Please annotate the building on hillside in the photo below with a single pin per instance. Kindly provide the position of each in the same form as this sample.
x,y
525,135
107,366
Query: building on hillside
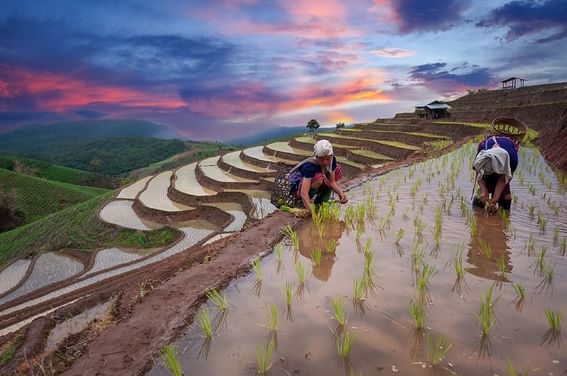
x,y
433,110
513,83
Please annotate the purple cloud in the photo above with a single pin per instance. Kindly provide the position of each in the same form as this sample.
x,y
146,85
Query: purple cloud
x,y
528,17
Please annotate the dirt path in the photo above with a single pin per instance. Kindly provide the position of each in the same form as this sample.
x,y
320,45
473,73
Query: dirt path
x,y
126,348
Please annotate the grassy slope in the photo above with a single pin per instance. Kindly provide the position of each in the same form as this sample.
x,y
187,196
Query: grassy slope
x,y
76,227
37,197
49,171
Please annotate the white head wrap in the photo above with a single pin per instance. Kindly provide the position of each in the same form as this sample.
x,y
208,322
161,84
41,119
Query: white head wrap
x,y
322,148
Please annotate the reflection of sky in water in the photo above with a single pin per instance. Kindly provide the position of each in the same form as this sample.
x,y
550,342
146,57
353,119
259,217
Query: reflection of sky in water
x,y
384,333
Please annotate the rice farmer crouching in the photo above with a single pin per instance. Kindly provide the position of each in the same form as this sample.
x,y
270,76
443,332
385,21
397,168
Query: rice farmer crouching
x,y
313,180
495,163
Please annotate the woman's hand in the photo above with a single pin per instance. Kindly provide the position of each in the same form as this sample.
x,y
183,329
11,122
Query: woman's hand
x,y
343,199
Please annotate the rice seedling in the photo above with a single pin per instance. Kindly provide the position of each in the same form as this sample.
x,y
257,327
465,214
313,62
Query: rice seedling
x,y
531,210
399,235
436,348
257,266
359,289
419,227
542,222
204,321
367,245
554,320
501,264
360,213
540,260
170,359
424,277
417,312
486,315
339,311
264,357
344,344
532,189
220,300
548,273
288,294
417,255
370,208
530,244
273,319
349,216
316,257
520,291
331,245
458,264
563,247
513,371
485,248
300,270
360,231
278,252
368,264
292,235
555,236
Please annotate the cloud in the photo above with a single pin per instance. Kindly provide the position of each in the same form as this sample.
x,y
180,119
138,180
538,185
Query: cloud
x,y
253,100
523,18
438,77
418,15
392,52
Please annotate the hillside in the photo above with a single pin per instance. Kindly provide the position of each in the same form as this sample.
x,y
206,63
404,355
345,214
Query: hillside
x,y
541,107
76,227
36,139
36,197
114,156
54,172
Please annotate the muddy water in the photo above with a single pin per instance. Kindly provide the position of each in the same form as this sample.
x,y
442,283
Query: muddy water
x,y
49,268
76,324
13,274
385,338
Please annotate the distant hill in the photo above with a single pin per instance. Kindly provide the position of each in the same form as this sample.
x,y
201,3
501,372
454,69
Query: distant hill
x,y
32,140
273,134
35,197
113,156
54,172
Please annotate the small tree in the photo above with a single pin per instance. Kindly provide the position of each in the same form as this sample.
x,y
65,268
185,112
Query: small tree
x,y
313,125
340,125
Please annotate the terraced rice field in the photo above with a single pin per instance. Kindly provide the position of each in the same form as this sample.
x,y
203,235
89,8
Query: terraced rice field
x,y
237,184
13,274
155,195
419,281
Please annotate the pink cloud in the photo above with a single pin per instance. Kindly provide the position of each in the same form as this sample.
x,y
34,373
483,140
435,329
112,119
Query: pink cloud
x,y
392,52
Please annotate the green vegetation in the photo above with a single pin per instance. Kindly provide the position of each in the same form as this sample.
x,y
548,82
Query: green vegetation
x,y
436,348
114,156
300,270
339,310
204,321
273,319
54,172
77,227
36,197
520,291
344,344
170,359
417,311
554,320
288,294
257,266
264,358
220,300
9,349
316,257
292,235
486,315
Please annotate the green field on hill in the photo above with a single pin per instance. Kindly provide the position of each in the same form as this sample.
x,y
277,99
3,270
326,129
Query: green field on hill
x,y
76,227
37,197
54,172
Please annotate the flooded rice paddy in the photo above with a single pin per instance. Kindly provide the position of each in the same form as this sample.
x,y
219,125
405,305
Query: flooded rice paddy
x,y
410,249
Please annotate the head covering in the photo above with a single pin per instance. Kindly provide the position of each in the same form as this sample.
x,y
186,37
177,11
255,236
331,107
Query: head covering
x,y
322,148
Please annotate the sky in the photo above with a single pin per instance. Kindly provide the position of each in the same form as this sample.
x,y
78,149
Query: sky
x,y
221,69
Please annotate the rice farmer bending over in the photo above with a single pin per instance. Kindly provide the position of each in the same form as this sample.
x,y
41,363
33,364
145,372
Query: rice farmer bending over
x,y
495,162
313,180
